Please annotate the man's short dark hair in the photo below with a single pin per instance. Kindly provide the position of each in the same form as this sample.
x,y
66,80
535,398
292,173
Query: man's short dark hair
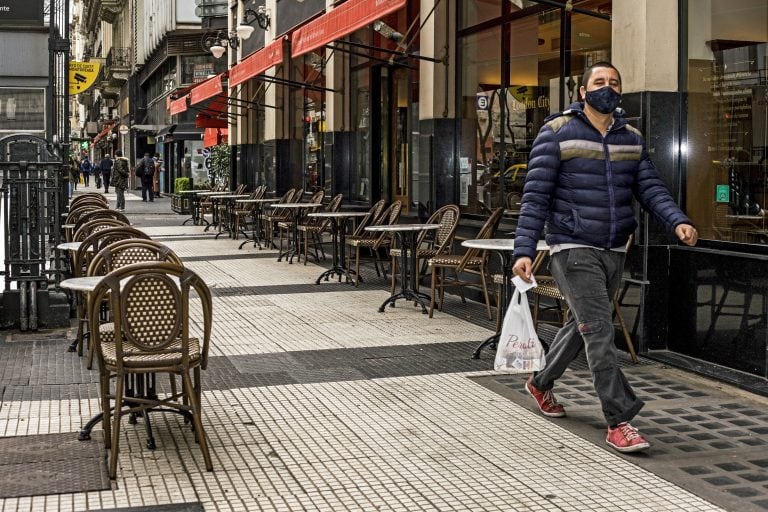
x,y
601,64
118,153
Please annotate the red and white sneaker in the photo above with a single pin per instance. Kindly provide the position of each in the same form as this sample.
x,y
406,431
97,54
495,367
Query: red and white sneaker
x,y
545,400
625,438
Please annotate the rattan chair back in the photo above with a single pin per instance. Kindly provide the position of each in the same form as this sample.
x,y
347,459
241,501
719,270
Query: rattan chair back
x,y
87,229
103,213
150,305
127,252
373,214
487,231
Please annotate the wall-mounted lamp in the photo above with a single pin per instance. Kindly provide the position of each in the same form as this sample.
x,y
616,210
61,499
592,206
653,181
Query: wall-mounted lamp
x,y
217,44
387,31
260,16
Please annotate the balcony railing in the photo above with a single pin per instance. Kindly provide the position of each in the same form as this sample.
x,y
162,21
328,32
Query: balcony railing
x,y
119,58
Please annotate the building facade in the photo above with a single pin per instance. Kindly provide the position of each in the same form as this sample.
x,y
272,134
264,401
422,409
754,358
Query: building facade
x,y
436,102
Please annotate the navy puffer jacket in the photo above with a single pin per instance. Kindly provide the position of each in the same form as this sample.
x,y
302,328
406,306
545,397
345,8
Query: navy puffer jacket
x,y
581,185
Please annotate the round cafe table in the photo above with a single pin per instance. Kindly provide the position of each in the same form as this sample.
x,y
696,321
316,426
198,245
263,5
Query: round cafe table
x,y
408,262
338,235
505,248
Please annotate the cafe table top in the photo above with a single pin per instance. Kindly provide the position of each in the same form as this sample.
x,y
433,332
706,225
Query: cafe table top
x,y
499,244
402,227
69,246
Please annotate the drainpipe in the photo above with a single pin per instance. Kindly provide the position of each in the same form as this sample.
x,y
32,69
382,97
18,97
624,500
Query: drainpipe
x,y
33,305
23,306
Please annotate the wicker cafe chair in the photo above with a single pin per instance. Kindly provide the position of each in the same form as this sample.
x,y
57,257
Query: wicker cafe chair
x,y
313,228
473,261
247,210
99,215
284,226
91,245
88,196
120,254
374,241
277,214
547,287
430,243
150,303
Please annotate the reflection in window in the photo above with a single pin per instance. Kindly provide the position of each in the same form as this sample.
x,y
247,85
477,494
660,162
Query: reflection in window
x,y
727,186
509,85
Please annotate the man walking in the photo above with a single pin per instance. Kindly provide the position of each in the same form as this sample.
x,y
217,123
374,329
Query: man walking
x,y
120,172
585,166
85,168
145,171
106,171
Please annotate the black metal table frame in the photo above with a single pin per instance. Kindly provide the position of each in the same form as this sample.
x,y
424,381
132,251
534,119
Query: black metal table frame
x,y
293,243
408,259
194,202
338,242
136,386
255,237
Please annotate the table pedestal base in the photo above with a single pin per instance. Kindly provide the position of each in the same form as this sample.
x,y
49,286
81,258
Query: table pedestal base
x,y
492,341
421,298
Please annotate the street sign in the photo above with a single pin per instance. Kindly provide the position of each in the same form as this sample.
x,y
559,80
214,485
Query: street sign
x,y
123,129
82,76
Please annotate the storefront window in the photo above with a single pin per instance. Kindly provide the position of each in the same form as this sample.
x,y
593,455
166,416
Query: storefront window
x,y
727,175
512,79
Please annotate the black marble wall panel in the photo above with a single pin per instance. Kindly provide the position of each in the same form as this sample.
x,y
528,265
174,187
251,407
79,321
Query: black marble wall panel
x,y
719,306
438,149
338,161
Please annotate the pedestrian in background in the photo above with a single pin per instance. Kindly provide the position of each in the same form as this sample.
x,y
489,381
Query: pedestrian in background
x,y
106,171
85,168
96,172
121,170
74,173
585,166
156,175
145,170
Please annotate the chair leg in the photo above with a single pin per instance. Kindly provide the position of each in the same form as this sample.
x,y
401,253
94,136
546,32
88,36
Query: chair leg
x,y
194,402
485,293
357,266
115,447
433,291
627,337
393,270
106,421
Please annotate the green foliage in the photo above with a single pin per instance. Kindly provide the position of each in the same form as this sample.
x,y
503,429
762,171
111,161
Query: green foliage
x,y
220,164
180,184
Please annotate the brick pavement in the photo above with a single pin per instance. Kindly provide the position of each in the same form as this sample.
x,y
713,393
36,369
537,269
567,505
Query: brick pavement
x,y
315,401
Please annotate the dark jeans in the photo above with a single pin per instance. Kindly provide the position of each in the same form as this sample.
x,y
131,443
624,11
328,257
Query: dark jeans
x,y
146,188
105,178
120,198
588,279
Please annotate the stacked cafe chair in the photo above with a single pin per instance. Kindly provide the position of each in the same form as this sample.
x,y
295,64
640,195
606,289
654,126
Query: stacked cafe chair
x,y
150,304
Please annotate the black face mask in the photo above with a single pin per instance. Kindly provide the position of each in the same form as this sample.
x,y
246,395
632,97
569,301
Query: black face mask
x,y
604,100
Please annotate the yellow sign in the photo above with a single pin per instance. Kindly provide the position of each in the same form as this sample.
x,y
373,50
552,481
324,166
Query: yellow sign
x,y
82,75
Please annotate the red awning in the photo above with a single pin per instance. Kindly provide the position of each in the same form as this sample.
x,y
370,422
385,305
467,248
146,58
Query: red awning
x,y
343,20
214,115
262,60
178,106
214,136
107,128
205,90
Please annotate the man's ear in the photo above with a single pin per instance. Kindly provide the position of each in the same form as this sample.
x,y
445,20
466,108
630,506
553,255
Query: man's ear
x,y
582,92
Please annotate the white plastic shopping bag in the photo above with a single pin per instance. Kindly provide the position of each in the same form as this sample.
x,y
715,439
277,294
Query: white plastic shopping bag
x,y
519,348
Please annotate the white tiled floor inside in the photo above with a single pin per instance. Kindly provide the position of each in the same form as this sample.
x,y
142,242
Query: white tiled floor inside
x,y
435,442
